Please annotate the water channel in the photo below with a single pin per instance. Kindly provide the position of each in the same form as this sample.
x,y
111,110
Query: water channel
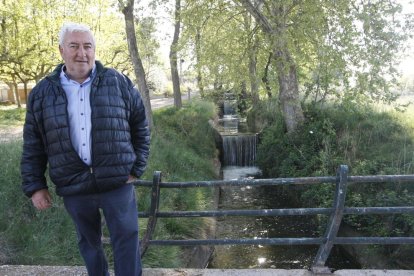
x,y
239,153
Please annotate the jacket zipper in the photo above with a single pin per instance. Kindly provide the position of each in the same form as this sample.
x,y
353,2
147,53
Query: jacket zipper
x,y
91,95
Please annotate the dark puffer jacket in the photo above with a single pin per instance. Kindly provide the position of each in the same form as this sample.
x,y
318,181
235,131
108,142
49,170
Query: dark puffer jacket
x,y
120,136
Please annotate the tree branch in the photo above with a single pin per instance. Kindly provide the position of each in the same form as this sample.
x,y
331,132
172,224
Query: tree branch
x,y
257,14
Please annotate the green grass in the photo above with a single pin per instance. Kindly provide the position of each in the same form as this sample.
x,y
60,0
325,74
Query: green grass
x,y
12,116
369,141
28,236
182,148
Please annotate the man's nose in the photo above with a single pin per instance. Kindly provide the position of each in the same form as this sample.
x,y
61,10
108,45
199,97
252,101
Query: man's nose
x,y
82,52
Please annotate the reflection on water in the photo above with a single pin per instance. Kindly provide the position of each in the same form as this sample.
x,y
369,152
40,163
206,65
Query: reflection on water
x,y
262,256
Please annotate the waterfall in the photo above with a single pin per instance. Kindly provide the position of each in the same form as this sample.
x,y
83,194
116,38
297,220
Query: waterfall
x,y
239,150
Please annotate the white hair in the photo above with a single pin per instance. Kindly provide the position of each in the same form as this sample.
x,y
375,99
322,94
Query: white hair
x,y
71,27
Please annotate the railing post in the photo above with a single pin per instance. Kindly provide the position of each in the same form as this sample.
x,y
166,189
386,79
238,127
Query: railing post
x,y
333,223
152,219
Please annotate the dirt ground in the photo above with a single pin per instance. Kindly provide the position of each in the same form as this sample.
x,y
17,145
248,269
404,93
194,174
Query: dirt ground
x,y
8,133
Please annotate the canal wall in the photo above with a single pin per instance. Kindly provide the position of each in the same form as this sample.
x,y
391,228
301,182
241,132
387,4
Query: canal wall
x,y
21,270
199,256
373,257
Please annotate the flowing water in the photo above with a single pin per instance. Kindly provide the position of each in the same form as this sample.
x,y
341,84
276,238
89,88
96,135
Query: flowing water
x,y
265,256
239,150
238,160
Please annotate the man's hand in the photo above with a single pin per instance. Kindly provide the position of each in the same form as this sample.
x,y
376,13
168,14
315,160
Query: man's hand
x,y
131,178
41,199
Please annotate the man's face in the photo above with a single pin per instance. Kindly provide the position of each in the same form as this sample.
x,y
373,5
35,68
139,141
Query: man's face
x,y
78,52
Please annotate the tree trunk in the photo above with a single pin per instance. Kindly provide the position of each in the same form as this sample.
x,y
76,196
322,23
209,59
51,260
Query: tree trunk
x,y
288,90
173,57
265,78
25,91
4,49
253,45
127,10
13,86
198,54
275,28
254,83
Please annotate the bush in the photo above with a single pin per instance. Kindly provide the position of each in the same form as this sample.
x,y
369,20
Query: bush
x,y
369,142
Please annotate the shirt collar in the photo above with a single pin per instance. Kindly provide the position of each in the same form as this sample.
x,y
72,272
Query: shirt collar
x,y
90,77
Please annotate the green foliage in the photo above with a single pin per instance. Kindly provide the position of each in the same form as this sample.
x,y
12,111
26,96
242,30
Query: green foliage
x,y
182,148
31,237
264,114
29,45
296,154
13,116
183,133
369,142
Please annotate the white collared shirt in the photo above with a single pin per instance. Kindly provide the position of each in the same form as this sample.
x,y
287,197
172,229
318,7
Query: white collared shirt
x,y
79,110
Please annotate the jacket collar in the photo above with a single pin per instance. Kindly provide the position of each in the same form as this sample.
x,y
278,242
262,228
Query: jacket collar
x,y
54,76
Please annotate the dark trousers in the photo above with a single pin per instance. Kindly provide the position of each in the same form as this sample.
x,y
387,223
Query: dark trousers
x,y
121,216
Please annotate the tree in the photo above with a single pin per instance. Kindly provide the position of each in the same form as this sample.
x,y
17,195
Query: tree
x,y
23,44
174,55
276,29
127,8
226,44
29,45
341,50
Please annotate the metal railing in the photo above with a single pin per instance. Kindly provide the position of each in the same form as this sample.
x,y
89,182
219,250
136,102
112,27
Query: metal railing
x,y
326,242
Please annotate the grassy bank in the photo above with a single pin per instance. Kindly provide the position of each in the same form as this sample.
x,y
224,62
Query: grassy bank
x,y
182,148
371,141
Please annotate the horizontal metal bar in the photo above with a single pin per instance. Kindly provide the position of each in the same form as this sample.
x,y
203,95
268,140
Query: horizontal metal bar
x,y
283,212
261,241
378,210
142,183
287,241
250,182
381,178
279,181
262,212
241,182
374,240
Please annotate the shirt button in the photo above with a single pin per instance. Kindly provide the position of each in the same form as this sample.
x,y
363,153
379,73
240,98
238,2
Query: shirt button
x,y
82,114
83,128
81,100
83,144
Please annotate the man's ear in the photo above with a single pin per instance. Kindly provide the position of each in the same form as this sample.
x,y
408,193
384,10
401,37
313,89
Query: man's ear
x,y
60,50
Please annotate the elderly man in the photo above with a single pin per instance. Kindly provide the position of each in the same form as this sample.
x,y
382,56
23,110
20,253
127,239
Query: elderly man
x,y
87,123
